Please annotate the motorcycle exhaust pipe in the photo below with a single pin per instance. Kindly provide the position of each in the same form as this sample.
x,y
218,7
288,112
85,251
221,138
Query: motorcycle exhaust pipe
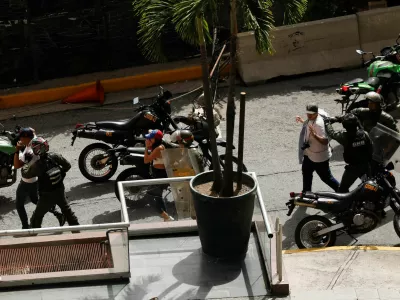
x,y
305,202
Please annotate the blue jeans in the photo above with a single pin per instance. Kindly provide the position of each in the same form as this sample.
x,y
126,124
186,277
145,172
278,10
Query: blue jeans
x,y
323,171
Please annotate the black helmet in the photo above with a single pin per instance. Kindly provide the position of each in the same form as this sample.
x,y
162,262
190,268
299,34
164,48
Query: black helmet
x,y
350,122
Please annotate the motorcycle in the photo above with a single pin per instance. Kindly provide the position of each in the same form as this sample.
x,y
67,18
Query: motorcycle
x,y
95,162
358,211
8,141
383,78
135,156
196,122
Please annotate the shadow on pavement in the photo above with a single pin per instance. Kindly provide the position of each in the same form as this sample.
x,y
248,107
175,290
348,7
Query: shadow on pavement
x,y
6,205
90,190
289,227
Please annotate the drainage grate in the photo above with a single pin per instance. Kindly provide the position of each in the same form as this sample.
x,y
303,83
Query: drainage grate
x,y
44,259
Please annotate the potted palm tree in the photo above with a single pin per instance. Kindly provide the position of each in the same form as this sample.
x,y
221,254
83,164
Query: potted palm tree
x,y
223,199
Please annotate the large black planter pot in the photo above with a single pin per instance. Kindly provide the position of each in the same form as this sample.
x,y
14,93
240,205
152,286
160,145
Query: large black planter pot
x,y
224,224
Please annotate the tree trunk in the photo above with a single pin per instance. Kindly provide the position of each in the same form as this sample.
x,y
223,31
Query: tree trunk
x,y
241,140
209,107
227,190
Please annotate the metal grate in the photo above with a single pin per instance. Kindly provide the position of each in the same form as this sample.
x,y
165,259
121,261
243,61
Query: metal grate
x,y
45,259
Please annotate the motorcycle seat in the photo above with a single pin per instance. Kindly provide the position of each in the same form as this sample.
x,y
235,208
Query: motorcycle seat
x,y
356,80
119,125
338,196
373,81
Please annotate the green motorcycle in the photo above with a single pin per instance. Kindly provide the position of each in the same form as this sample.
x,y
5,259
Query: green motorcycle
x,y
383,78
8,141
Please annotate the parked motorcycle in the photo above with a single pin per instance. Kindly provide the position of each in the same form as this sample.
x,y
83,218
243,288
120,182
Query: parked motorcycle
x,y
358,211
383,78
134,156
8,141
95,162
196,122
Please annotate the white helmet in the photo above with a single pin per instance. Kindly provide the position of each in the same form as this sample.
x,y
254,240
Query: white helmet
x,y
373,97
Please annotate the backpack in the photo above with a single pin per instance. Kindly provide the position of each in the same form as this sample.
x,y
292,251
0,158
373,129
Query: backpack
x,y
53,175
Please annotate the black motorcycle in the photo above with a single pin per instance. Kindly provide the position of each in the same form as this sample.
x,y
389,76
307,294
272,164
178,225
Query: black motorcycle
x,y
134,156
95,162
358,211
196,122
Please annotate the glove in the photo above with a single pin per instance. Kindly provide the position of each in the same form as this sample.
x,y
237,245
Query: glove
x,y
338,119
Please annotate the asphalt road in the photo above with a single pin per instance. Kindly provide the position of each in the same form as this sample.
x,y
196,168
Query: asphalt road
x,y
271,138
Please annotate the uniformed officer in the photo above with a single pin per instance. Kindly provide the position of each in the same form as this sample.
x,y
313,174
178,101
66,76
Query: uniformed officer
x,y
28,188
374,114
357,152
50,169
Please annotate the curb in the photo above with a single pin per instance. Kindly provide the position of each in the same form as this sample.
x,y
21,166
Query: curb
x,y
343,248
110,85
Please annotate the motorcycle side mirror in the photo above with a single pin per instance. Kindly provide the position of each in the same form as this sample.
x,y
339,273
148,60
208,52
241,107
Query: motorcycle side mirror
x,y
397,40
360,52
135,100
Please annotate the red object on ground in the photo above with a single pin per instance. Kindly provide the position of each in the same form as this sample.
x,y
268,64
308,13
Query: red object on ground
x,y
90,94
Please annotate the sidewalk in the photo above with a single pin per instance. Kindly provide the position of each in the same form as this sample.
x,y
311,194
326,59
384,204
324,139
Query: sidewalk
x,y
344,273
176,89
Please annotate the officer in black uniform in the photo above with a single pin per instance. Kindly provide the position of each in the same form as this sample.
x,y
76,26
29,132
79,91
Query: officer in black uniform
x,y
374,114
357,150
50,169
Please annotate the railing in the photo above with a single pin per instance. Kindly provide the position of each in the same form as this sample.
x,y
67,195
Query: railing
x,y
271,246
124,224
271,242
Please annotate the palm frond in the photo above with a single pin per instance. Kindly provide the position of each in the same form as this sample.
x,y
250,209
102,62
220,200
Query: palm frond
x,y
184,19
139,6
294,10
154,18
259,18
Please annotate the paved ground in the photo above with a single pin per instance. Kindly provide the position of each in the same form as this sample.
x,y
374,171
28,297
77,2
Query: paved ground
x,y
270,151
343,274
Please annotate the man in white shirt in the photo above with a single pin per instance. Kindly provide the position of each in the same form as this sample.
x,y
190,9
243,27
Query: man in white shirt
x,y
28,187
314,146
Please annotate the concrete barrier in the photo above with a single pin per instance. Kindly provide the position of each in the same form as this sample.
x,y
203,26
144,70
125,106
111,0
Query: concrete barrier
x,y
301,48
378,28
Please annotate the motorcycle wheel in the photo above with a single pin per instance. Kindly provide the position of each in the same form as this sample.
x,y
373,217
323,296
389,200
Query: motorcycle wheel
x,y
396,223
310,225
99,173
134,191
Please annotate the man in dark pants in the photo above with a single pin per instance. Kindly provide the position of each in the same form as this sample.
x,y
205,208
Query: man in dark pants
x,y
314,150
28,187
357,152
50,169
374,114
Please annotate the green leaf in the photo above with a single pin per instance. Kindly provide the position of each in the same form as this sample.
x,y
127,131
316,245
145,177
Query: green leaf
x,y
258,17
294,10
184,19
154,15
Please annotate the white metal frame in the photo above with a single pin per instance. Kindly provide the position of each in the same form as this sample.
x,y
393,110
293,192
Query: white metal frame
x,y
125,218
123,224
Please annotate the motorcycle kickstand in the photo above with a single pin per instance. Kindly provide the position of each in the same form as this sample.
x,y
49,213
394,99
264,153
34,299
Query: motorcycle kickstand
x,y
355,240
